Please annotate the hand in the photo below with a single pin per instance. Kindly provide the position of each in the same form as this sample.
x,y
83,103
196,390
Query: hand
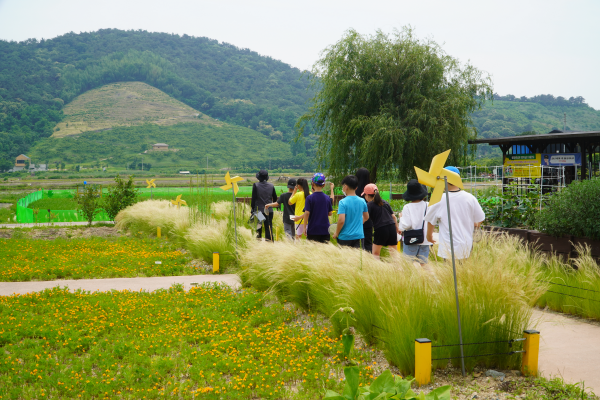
x,y
297,218
331,185
335,235
267,206
398,231
430,239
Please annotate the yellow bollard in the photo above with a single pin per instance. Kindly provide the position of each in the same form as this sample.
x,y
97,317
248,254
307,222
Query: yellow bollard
x,y
422,361
398,247
215,263
532,351
158,232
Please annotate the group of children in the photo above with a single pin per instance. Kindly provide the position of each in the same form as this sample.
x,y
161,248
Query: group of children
x,y
362,217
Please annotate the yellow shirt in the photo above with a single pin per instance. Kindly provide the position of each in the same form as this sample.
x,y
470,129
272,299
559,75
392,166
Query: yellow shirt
x,y
298,199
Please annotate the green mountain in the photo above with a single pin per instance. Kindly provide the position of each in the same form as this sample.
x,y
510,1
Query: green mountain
x,y
39,80
233,85
190,144
510,116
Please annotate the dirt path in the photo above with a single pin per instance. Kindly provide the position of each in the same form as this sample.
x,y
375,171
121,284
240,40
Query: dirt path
x,y
569,348
133,284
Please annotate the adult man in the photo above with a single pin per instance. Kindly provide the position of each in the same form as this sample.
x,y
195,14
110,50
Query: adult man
x,y
466,215
263,193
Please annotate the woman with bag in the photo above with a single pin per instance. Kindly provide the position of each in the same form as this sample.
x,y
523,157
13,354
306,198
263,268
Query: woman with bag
x,y
384,220
412,223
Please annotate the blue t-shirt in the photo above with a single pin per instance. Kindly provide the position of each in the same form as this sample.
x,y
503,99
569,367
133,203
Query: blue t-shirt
x,y
319,206
353,207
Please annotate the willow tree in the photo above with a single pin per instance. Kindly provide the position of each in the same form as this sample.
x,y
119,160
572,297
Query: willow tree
x,y
390,102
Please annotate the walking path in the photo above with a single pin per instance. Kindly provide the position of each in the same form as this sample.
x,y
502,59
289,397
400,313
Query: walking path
x,y
569,348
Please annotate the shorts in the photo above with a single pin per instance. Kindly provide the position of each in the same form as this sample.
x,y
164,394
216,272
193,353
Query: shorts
x,y
319,238
386,236
355,243
418,251
299,229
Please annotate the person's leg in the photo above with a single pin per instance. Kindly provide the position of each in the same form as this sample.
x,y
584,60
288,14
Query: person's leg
x,y
376,250
423,255
259,232
299,231
367,242
289,231
269,227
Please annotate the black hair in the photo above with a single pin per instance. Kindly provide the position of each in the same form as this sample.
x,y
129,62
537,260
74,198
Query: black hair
x,y
303,183
377,198
363,176
351,181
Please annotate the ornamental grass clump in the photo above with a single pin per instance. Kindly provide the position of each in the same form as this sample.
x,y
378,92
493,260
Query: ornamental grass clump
x,y
394,302
573,290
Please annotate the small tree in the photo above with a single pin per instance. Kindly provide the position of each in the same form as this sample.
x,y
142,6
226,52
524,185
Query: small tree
x,y
89,203
120,196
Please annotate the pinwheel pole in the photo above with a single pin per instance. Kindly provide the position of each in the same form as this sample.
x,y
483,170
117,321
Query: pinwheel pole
x,y
229,184
151,185
438,178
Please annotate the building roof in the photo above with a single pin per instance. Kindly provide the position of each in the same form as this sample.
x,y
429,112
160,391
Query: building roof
x,y
160,144
548,138
23,155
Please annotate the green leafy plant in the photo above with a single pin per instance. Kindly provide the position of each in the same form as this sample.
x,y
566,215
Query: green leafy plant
x,y
573,211
348,332
511,209
89,203
120,196
386,386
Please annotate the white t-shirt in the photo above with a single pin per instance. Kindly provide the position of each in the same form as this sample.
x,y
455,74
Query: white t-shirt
x,y
412,218
466,211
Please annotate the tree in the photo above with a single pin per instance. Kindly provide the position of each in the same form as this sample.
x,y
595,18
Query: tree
x,y
120,196
89,202
389,103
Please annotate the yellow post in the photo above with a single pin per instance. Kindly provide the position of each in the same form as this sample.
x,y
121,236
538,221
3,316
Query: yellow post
x,y
422,361
398,246
158,232
532,351
215,263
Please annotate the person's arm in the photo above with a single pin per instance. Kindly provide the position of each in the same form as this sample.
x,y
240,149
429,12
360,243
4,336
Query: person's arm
x,y
396,222
292,199
332,195
430,229
253,200
365,216
340,225
274,195
305,216
275,204
479,215
405,220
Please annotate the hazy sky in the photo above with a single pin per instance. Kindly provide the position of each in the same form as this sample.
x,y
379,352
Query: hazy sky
x,y
529,47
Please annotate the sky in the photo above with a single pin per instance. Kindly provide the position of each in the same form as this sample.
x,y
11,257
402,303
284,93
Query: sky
x,y
528,47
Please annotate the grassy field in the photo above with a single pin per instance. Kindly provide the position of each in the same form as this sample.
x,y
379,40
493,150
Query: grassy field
x,y
211,342
29,259
124,104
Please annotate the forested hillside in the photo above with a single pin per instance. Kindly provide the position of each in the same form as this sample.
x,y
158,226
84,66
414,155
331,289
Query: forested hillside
x,y
233,85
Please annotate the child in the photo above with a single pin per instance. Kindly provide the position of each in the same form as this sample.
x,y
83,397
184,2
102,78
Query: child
x,y
318,208
352,214
263,193
384,221
288,210
298,198
412,217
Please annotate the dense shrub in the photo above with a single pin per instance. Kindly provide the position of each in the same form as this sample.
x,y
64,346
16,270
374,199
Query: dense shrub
x,y
573,211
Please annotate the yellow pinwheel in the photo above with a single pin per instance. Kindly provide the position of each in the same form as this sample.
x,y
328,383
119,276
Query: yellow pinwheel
x,y
179,202
231,182
435,177
150,183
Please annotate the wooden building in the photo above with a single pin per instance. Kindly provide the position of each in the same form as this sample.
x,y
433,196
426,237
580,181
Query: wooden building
x,y
160,147
21,160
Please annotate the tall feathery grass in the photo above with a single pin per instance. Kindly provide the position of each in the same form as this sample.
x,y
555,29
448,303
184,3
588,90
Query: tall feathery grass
x,y
573,290
395,303
191,228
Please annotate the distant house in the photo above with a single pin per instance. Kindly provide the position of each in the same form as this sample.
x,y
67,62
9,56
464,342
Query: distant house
x,y
184,172
21,160
160,147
